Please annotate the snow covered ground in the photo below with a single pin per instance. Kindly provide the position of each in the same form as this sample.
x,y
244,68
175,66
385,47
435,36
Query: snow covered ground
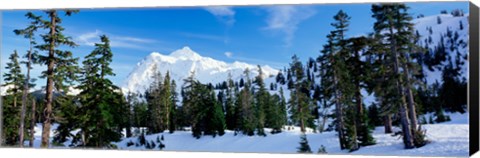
x,y
447,139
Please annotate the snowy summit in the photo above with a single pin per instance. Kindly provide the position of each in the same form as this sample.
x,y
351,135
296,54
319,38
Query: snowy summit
x,y
181,63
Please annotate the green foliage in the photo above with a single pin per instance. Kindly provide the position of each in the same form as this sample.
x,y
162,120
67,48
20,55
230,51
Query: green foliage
x,y
10,121
420,138
100,110
13,77
304,147
300,103
205,112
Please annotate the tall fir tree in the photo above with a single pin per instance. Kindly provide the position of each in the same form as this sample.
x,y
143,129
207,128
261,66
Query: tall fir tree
x,y
245,112
335,78
101,103
230,104
262,103
395,27
15,80
300,103
28,33
61,66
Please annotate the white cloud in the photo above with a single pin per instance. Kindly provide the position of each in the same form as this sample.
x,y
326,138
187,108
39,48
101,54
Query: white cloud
x,y
224,14
285,19
90,38
229,54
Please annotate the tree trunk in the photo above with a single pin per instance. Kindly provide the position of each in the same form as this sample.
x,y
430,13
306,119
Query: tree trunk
x,y
404,119
32,124
339,114
388,123
411,103
50,74
24,98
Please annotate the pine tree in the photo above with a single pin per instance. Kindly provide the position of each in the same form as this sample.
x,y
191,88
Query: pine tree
x,y
173,108
300,103
398,32
262,104
61,66
167,104
15,79
101,104
245,112
29,34
154,100
336,79
304,147
461,25
230,104
358,69
131,101
205,112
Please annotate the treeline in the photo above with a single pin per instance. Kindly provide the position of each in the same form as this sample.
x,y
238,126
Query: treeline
x,y
388,63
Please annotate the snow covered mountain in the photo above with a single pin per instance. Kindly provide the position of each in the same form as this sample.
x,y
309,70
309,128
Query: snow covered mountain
x,y
181,63
454,30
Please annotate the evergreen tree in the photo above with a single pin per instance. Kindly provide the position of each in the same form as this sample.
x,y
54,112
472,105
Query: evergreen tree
x,y
173,108
28,33
262,104
207,117
335,76
61,66
14,77
230,104
102,107
399,38
300,103
461,25
167,104
155,101
131,101
244,111
304,147
15,80
358,69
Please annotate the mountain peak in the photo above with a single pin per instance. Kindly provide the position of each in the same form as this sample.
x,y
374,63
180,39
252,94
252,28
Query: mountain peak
x,y
186,53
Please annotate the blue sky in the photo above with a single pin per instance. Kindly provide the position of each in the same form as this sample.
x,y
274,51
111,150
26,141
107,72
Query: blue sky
x,y
265,35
